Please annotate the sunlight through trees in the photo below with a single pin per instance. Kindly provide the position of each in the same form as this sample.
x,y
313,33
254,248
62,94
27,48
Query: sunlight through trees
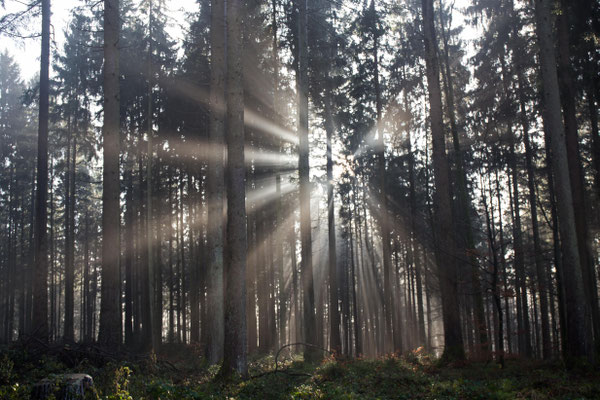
x,y
303,177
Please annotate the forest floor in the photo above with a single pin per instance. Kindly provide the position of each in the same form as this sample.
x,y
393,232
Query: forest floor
x,y
179,373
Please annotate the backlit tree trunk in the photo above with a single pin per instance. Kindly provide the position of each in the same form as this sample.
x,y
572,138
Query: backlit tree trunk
x,y
309,320
235,253
215,185
576,174
110,310
39,326
578,332
445,245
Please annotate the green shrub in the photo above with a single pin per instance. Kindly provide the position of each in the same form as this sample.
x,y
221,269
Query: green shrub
x,y
7,375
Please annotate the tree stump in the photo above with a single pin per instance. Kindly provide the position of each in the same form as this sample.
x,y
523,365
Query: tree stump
x,y
64,387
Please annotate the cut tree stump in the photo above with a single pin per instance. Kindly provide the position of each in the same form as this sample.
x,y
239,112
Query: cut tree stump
x,y
64,387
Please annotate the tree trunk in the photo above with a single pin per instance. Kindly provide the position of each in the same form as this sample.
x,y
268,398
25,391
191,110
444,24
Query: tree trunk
x,y
110,309
334,319
157,314
383,217
519,257
10,264
503,265
87,317
537,247
183,274
271,282
194,228
578,332
279,240
71,215
52,268
576,175
345,289
39,327
355,265
215,186
154,338
171,280
464,206
235,253
428,298
491,233
262,281
309,320
145,338
413,223
178,269
139,245
129,256
251,272
295,286
68,333
445,245
557,253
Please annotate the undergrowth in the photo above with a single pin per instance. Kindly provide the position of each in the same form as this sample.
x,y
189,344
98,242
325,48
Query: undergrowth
x,y
179,373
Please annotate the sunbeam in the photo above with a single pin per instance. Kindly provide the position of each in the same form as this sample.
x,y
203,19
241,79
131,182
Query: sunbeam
x,y
329,191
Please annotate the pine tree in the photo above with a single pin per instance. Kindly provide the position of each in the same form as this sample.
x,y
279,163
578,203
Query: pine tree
x,y
444,241
578,335
215,184
235,337
40,276
110,310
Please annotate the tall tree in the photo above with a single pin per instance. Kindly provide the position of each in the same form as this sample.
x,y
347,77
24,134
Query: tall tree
x,y
69,333
110,309
215,184
309,318
334,319
235,338
77,75
40,276
335,341
466,243
578,333
153,320
445,246
568,102
381,175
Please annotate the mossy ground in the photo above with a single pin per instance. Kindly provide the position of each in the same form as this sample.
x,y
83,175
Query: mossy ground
x,y
416,376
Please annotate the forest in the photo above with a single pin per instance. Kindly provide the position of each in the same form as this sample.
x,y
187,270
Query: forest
x,y
298,199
